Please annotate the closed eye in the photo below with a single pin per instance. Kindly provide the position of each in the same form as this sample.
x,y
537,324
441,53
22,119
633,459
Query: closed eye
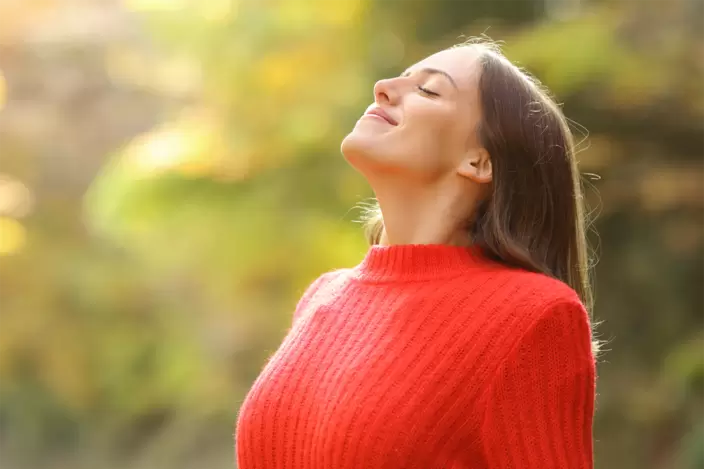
x,y
427,91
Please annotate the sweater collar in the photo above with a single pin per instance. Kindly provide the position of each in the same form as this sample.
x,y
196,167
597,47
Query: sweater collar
x,y
412,262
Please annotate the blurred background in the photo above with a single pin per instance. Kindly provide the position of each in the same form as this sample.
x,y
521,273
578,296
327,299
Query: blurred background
x,y
171,181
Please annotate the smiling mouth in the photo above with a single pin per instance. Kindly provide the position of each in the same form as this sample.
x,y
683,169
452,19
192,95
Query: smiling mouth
x,y
380,113
377,117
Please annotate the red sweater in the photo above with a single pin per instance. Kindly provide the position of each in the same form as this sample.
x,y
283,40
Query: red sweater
x,y
427,357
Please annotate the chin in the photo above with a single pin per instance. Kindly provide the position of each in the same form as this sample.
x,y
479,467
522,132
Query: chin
x,y
372,153
351,143
361,152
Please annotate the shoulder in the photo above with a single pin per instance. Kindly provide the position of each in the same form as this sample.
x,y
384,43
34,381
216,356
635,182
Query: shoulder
x,y
325,282
320,290
545,299
541,288
514,302
530,318
517,289
551,347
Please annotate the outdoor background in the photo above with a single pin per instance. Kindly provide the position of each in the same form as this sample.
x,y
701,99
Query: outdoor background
x,y
171,181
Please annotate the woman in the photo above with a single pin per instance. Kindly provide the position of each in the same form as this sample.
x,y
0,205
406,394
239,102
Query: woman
x,y
462,339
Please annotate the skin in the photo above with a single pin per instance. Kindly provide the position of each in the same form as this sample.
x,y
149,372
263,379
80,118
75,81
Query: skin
x,y
429,171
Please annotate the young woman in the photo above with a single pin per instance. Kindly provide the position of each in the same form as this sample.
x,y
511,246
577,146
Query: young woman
x,y
462,340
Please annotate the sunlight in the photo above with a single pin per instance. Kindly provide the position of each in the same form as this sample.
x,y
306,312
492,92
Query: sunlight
x,y
191,146
156,5
159,151
16,200
13,236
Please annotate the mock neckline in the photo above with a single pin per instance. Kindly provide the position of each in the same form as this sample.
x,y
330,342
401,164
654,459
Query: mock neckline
x,y
413,262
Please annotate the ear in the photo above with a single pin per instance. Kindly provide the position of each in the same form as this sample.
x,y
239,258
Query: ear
x,y
476,166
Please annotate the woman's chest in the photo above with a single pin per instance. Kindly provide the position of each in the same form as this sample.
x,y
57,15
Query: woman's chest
x,y
350,391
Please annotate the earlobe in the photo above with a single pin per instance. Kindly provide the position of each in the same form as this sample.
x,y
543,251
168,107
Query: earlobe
x,y
476,166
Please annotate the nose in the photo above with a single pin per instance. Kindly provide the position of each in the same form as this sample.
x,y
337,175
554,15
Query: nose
x,y
385,92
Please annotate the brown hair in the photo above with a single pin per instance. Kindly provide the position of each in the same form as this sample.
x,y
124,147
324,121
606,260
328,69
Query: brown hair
x,y
535,216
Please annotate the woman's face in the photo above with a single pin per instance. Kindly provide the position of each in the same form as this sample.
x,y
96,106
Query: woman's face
x,y
423,123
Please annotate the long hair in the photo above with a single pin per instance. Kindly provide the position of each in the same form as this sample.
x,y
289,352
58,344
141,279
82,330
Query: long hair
x,y
535,217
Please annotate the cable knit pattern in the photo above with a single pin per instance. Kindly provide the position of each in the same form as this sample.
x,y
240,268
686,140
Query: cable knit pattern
x,y
427,357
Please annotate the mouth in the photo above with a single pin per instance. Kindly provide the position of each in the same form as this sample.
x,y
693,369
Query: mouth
x,y
379,113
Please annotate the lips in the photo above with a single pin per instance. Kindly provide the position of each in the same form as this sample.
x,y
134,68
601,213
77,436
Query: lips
x,y
379,112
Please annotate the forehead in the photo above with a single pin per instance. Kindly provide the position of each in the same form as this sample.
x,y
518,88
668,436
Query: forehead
x,y
461,63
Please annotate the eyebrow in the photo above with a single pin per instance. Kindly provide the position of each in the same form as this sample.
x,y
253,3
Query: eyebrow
x,y
433,71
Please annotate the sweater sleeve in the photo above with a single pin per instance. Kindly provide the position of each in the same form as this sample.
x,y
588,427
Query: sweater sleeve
x,y
540,405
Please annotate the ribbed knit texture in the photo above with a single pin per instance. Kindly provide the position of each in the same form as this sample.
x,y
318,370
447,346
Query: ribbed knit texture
x,y
427,357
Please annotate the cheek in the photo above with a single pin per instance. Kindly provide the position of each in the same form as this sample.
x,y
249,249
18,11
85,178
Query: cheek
x,y
435,132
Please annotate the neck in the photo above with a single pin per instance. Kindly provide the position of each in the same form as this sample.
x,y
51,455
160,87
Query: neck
x,y
435,214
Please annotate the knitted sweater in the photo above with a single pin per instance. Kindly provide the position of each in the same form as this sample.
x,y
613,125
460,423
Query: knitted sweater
x,y
427,357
